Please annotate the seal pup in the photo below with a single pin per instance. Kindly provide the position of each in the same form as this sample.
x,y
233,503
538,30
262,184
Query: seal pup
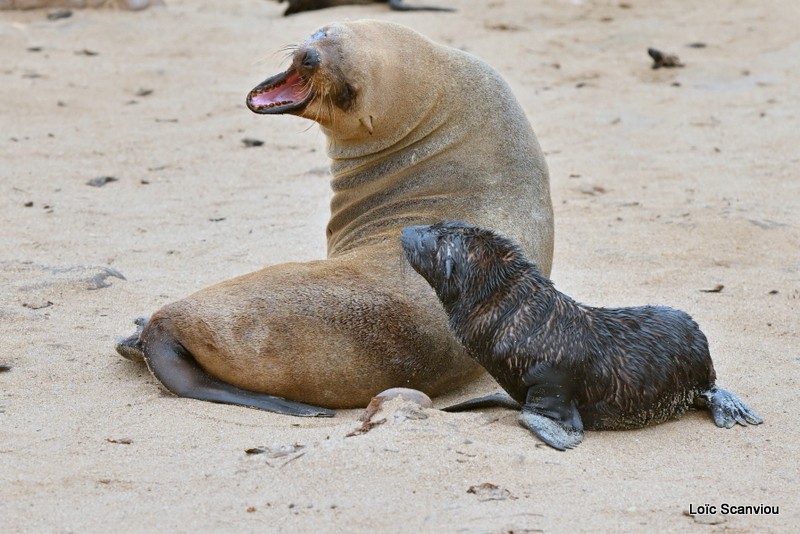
x,y
298,6
570,366
417,132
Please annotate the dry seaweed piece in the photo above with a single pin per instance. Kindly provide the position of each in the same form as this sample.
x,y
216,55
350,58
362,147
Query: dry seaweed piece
x,y
661,59
490,492
716,289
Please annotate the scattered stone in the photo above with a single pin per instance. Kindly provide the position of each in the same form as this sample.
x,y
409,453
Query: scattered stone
x,y
503,27
60,14
593,190
100,181
490,492
37,304
250,142
276,452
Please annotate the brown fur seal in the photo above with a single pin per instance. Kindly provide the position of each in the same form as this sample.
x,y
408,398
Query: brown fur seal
x,y
417,132
298,6
571,366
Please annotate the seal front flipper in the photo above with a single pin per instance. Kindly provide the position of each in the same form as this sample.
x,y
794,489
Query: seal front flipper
x,y
178,371
728,409
549,410
130,347
495,400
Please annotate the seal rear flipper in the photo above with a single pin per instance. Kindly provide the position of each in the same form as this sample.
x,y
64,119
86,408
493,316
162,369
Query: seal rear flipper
x,y
495,400
178,371
549,410
728,409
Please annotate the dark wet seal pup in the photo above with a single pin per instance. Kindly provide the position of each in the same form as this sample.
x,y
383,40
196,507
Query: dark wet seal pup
x,y
570,366
298,6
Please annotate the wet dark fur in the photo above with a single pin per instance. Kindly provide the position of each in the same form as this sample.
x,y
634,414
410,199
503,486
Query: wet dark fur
x,y
625,367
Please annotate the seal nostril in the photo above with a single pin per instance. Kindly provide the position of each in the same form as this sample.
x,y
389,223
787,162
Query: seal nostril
x,y
310,59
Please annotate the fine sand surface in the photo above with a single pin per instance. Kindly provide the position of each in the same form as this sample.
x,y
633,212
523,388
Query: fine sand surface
x,y
665,183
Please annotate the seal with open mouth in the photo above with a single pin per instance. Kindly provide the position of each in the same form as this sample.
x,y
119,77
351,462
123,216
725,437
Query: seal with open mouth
x,y
417,132
570,366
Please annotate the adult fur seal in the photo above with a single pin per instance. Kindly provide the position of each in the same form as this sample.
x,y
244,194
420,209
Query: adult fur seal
x,y
417,132
570,366
298,6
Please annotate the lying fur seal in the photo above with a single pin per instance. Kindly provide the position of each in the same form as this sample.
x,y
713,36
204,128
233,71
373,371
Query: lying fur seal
x,y
417,132
298,6
570,366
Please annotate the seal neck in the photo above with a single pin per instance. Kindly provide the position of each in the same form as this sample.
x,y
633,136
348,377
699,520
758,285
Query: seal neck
x,y
497,311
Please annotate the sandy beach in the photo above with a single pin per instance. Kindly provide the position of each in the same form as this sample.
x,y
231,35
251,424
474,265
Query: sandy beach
x,y
671,186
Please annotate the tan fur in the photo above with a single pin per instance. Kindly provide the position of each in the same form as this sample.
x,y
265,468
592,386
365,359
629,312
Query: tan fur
x,y
434,134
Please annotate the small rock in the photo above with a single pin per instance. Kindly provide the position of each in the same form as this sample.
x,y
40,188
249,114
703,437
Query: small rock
x,y
490,492
100,181
250,142
60,14
37,304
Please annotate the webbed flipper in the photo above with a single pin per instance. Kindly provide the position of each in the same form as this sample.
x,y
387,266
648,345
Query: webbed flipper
x,y
495,400
178,371
728,409
549,410
130,347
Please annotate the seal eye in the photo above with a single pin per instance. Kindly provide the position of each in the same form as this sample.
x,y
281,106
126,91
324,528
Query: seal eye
x,y
346,97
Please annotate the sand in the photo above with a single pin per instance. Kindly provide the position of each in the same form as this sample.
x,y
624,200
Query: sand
x,y
665,183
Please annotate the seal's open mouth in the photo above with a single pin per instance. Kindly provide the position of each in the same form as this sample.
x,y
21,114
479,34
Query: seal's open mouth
x,y
283,93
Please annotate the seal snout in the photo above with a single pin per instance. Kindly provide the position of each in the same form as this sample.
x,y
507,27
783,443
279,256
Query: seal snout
x,y
417,240
308,61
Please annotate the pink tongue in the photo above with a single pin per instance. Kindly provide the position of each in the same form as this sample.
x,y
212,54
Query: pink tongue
x,y
287,93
